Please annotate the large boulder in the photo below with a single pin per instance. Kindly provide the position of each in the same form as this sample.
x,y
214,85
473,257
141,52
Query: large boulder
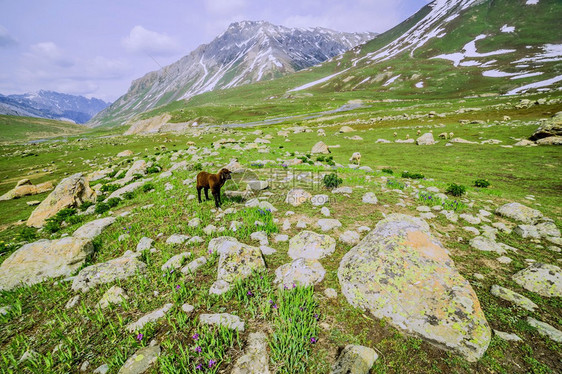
x,y
25,188
255,359
310,245
549,129
138,168
425,139
70,192
320,147
399,272
44,259
300,272
520,212
141,361
355,359
544,279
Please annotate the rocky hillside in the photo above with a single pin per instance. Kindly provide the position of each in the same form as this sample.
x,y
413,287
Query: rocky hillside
x,y
52,105
246,52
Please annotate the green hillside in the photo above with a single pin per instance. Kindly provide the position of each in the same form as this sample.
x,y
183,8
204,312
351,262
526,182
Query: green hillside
x,y
14,128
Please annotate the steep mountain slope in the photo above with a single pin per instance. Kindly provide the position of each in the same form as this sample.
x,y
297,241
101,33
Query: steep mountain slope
x,y
246,52
53,105
19,128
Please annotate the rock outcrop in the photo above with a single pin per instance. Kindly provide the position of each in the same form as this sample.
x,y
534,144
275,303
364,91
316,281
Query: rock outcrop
x,y
25,188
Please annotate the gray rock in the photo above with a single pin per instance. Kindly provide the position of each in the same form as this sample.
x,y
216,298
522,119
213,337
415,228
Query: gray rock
x,y
102,369
527,231
194,265
485,244
330,293
513,297
504,260
176,261
470,219
370,198
355,359
266,250
106,272
210,229
310,245
343,190
149,317
279,238
425,139
319,200
144,244
320,147
93,229
544,279
255,359
325,211
219,287
260,236
297,196
300,272
177,239
187,308
223,319
194,222
115,295
548,229
327,224
507,336
128,188
545,329
141,361
350,237
263,205
520,212
430,300
72,302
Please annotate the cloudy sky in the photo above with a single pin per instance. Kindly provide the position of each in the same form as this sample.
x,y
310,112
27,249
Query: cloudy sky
x,y
96,48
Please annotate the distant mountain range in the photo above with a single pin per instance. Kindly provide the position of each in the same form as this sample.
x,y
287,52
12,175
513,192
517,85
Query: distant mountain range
x,y
53,105
246,52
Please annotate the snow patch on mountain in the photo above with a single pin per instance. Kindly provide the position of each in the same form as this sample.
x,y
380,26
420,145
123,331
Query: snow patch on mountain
x,y
469,51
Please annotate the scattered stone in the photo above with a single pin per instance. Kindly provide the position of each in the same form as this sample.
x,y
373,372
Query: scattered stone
x,y
423,208
102,369
126,153
325,211
115,295
187,308
471,229
548,229
319,200
355,359
425,139
310,245
297,196
327,224
255,359
223,319
210,229
350,237
176,261
30,354
194,265
527,231
513,297
344,190
72,302
485,244
128,188
520,212
320,147
144,244
70,192
372,277
106,272
92,229
194,222
545,329
471,219
370,198
478,276
150,317
504,260
177,239
300,272
279,238
502,227
544,279
330,293
141,361
507,336
363,229
266,250
345,129
260,236
286,225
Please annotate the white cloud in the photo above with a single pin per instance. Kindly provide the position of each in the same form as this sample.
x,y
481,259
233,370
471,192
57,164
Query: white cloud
x,y
6,40
143,41
225,6
49,52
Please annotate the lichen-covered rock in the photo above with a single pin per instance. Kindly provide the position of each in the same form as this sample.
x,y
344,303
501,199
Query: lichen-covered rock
x,y
255,359
92,229
300,272
194,265
548,229
239,261
514,297
25,188
327,224
149,317
176,261
486,244
115,295
355,359
545,329
70,192
544,279
297,196
310,245
138,168
141,361
370,198
106,272
43,259
401,273
350,237
527,231
520,212
223,319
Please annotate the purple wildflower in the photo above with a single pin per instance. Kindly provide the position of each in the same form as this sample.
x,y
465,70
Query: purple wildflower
x,y
212,363
275,306
198,349
199,367
196,336
250,293
178,287
313,340
139,337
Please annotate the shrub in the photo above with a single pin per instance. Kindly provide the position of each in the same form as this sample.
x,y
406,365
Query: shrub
x,y
101,208
113,202
72,220
108,187
65,213
320,158
52,226
456,189
332,180
482,183
112,174
129,195
28,234
153,169
407,174
147,187
387,171
85,205
198,166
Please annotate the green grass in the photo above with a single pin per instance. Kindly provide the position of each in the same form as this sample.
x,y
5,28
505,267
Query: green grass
x,y
13,128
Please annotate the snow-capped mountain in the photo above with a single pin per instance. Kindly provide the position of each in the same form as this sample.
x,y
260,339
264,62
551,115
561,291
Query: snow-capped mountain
x,y
246,52
53,105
